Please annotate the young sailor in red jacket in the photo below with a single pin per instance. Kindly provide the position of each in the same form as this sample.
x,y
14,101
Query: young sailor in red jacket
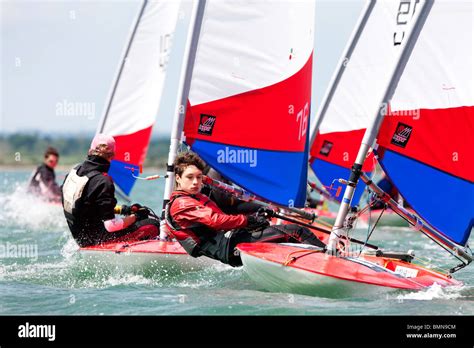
x,y
201,227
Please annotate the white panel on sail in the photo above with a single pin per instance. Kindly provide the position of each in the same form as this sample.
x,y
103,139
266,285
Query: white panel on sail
x,y
355,101
138,92
440,70
256,52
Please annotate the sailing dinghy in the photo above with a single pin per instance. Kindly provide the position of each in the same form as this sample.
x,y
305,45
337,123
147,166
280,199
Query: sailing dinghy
x,y
129,117
430,90
229,91
239,83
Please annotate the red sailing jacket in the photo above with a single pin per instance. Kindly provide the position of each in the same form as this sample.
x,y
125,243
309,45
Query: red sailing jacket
x,y
188,211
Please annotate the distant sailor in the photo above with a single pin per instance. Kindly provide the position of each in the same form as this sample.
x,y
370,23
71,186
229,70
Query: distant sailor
x,y
89,201
203,229
43,180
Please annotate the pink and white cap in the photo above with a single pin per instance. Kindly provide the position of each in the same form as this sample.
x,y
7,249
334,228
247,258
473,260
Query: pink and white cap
x,y
105,140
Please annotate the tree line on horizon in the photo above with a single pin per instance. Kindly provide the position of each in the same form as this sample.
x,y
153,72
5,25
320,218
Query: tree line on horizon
x,y
28,149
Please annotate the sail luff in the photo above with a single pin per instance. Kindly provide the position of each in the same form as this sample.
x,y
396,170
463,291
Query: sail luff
x,y
372,131
192,41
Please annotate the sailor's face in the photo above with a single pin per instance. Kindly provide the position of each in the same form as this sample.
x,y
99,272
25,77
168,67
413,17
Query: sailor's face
x,y
191,180
51,161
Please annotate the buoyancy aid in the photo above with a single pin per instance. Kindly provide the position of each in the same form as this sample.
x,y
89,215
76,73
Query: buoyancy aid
x,y
198,207
73,188
190,237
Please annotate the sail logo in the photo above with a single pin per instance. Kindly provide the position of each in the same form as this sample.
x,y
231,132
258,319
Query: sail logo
x,y
245,156
326,148
206,124
402,135
37,331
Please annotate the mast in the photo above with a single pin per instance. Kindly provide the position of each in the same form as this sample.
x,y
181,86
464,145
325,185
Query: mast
x,y
101,125
372,131
192,40
347,53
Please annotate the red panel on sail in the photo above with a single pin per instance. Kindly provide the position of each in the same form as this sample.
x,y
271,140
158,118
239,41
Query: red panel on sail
x,y
279,110
439,141
132,148
341,148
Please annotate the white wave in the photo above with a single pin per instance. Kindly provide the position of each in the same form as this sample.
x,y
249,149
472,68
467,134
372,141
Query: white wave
x,y
70,248
126,279
433,292
28,211
202,283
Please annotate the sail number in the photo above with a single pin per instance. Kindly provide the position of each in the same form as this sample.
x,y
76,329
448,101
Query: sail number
x,y
302,119
406,10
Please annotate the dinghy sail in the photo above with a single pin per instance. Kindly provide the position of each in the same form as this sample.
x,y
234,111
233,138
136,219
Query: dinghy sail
x,y
135,96
351,102
430,123
249,100
432,83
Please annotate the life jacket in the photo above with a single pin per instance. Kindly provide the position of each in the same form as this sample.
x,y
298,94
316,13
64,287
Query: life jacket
x,y
190,237
73,188
34,181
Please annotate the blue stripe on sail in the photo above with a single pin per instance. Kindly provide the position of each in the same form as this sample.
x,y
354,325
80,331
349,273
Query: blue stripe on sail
x,y
122,175
443,200
276,176
327,172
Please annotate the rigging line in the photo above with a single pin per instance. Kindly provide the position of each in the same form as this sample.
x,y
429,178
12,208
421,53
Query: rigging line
x,y
369,234
151,177
290,259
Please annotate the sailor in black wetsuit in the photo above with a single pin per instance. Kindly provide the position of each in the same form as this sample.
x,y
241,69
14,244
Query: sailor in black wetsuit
x,y
43,180
89,201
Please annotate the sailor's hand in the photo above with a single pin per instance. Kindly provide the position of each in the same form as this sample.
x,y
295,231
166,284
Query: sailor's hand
x,y
142,214
123,210
256,222
140,211
129,220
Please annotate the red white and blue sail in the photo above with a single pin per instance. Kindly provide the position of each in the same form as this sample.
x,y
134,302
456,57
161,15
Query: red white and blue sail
x,y
426,141
135,98
249,102
354,104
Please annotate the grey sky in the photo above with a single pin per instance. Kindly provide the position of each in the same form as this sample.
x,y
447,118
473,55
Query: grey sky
x,y
56,51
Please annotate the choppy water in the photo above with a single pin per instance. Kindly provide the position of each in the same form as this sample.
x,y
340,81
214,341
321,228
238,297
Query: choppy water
x,y
52,278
